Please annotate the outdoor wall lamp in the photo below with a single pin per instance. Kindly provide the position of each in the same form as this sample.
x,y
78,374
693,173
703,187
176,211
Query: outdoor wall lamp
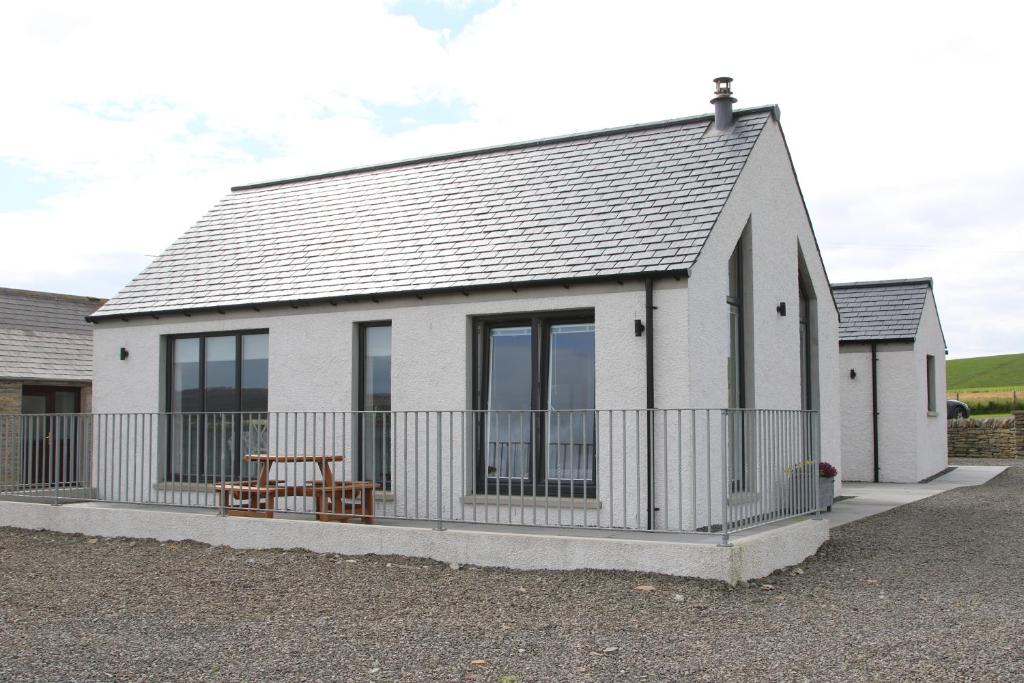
x,y
638,327
781,308
124,353
853,374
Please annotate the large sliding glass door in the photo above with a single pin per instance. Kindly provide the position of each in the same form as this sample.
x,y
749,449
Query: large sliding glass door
x,y
536,384
217,397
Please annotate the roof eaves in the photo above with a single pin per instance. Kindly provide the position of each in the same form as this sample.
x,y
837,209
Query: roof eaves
x,y
879,340
420,293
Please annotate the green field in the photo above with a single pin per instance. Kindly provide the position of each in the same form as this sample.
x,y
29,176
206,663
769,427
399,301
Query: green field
x,y
985,372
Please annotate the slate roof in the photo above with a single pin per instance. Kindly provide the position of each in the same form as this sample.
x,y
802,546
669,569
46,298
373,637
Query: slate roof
x,y
44,336
622,202
880,311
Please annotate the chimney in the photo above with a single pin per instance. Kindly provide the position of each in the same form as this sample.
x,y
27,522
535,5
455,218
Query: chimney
x,y
723,101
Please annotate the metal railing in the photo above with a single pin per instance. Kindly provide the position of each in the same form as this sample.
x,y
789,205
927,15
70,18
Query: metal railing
x,y
687,470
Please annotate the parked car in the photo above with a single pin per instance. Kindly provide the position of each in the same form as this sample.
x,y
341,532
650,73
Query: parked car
x,y
955,409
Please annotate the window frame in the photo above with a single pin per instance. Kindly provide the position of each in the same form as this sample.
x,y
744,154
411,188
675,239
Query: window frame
x,y
929,371
361,328
200,475
540,323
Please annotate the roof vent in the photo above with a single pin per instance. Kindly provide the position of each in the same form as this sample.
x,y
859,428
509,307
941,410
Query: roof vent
x,y
723,101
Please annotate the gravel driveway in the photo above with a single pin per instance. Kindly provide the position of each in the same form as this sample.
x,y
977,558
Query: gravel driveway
x,y
930,591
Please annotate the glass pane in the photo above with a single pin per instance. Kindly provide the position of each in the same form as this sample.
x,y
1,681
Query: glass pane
x,y
735,368
736,275
255,361
570,430
185,445
221,389
185,394
33,405
65,401
376,426
507,433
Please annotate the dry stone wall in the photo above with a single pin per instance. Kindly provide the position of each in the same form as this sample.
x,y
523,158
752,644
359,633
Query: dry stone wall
x,y
999,437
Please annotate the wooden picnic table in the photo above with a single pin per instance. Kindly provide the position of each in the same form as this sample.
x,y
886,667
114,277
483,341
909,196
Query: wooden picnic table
x,y
333,500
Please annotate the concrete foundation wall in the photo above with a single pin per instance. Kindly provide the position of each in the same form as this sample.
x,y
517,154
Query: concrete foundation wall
x,y
751,556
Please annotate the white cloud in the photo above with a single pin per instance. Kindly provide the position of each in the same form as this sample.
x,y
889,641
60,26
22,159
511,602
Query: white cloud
x,y
896,115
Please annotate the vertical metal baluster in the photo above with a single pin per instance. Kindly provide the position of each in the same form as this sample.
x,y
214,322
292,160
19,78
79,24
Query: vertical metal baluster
x,y
592,471
637,458
440,490
725,481
572,466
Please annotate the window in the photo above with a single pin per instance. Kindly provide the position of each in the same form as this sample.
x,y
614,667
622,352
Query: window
x,y
535,380
806,365
930,369
736,370
375,398
217,397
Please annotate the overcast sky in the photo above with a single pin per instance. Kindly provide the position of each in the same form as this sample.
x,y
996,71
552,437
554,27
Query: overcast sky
x,y
122,123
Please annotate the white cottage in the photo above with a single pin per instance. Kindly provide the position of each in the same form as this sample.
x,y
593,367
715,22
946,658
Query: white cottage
x,y
893,365
628,329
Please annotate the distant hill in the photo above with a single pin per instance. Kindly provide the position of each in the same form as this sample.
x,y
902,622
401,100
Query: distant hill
x,y
985,371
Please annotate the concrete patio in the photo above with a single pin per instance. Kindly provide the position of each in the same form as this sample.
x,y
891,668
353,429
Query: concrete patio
x,y
867,498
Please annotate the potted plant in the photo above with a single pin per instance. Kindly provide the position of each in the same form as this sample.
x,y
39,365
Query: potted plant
x,y
826,486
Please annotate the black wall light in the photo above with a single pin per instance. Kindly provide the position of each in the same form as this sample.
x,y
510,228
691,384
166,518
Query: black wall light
x,y
781,308
853,374
638,327
124,353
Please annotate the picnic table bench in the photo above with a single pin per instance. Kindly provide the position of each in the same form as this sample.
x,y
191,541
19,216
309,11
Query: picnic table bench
x,y
333,500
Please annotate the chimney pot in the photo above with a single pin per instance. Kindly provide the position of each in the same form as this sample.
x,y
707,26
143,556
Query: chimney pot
x,y
723,101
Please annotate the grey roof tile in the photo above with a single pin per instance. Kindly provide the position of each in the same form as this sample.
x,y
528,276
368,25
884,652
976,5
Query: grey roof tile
x,y
887,310
45,336
604,204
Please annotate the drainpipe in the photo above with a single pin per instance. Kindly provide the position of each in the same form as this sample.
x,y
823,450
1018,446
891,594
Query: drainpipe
x,y
649,340
874,403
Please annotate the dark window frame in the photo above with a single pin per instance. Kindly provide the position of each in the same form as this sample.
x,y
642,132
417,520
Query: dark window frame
x,y
736,306
169,340
540,323
929,371
361,328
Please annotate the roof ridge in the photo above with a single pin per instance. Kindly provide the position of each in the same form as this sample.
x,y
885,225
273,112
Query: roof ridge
x,y
883,283
524,144
52,295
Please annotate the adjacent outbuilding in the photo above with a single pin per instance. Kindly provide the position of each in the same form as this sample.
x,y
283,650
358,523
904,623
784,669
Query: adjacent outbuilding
x,y
893,384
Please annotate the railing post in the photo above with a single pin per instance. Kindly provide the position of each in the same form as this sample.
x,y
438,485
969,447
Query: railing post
x,y
725,543
816,457
54,444
440,520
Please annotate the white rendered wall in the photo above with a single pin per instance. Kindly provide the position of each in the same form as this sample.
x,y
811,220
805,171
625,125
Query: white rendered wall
x,y
900,396
857,427
312,368
932,456
768,196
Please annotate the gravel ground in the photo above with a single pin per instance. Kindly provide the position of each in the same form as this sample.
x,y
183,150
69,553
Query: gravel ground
x,y
930,591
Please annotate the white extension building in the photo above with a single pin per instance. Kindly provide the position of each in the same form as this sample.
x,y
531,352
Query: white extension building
x,y
571,301
892,358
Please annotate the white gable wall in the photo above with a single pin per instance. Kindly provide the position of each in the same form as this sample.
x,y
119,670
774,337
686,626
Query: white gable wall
x,y
767,194
931,427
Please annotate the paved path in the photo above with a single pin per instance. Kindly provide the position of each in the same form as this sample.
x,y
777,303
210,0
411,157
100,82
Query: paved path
x,y
868,499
